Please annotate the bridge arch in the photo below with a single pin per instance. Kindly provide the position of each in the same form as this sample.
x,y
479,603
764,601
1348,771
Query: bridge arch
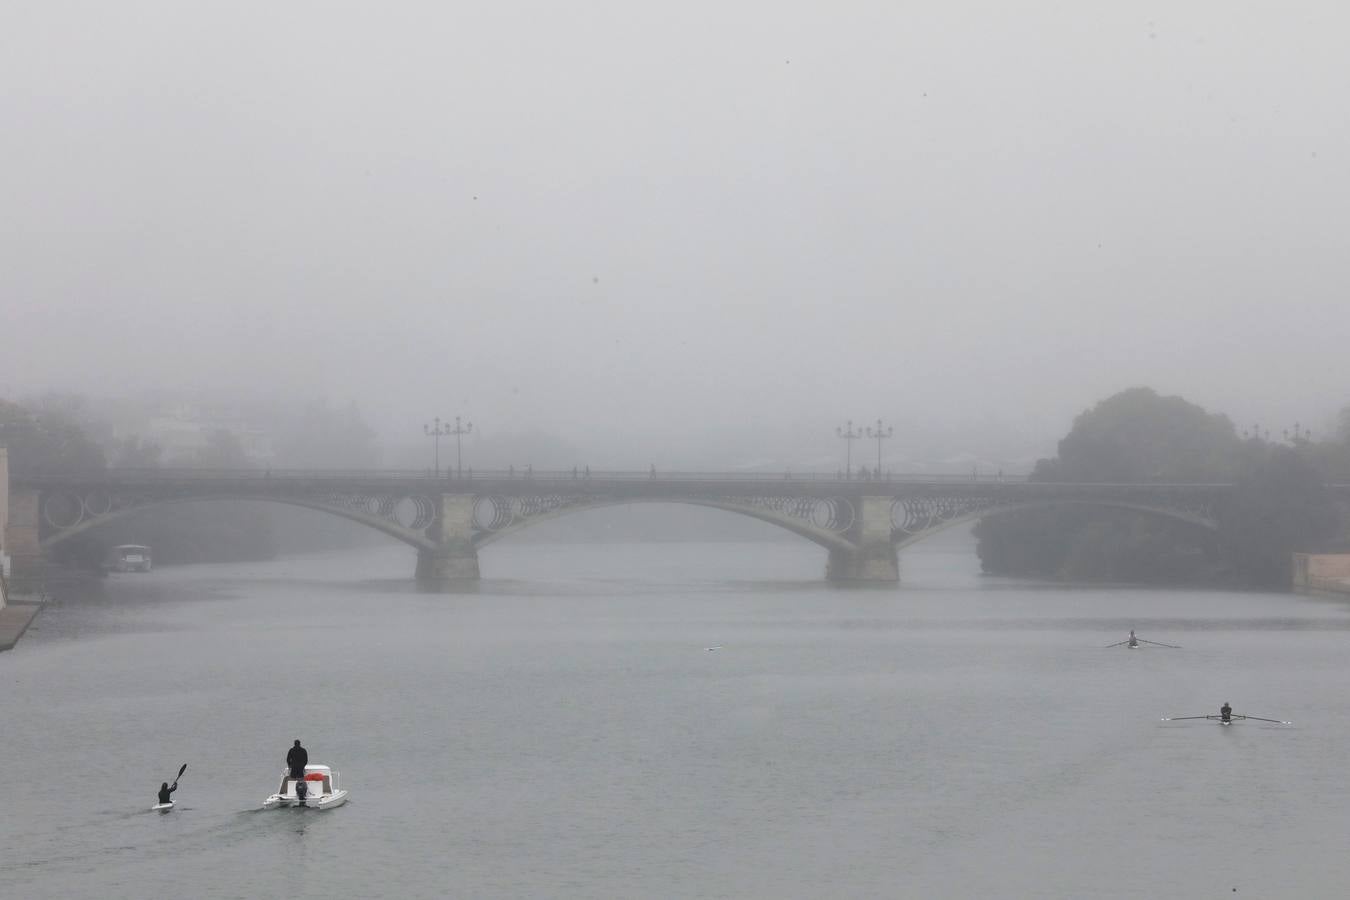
x,y
823,537
383,525
1193,519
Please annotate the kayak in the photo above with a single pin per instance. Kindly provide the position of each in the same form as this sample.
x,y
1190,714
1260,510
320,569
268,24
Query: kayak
x,y
162,807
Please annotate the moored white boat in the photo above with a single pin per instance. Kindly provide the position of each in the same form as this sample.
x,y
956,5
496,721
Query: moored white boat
x,y
317,790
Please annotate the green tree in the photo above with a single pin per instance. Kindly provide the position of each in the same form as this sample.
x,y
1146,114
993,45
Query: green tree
x,y
1134,436
49,440
1137,436
222,451
1280,506
135,453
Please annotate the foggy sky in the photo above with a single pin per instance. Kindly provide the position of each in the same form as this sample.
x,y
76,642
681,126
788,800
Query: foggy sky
x,y
633,224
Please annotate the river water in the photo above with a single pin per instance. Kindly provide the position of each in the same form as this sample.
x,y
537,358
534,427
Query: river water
x,y
564,732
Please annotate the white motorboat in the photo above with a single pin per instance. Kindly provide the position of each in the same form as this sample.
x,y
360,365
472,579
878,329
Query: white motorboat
x,y
317,790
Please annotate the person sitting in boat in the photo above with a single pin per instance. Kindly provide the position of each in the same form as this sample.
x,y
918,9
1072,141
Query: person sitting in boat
x,y
165,790
297,759
1226,712
1134,641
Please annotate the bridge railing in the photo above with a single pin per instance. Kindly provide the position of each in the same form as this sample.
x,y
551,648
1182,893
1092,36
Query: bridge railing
x,y
140,476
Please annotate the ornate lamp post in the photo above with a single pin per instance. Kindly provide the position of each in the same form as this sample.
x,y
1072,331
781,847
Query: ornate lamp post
x,y
1301,435
458,431
436,434
849,436
880,434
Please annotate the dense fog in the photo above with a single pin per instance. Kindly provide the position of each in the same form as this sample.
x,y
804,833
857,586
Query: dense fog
x,y
694,235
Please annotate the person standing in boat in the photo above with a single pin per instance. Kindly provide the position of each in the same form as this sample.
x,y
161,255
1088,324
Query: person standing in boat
x,y
165,790
297,758
1226,712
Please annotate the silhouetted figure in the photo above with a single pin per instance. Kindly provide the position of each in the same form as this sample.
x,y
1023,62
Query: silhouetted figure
x,y
588,473
297,759
653,472
1133,641
574,473
165,791
1226,712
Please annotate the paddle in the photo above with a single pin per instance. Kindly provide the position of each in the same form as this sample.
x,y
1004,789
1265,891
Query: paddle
x,y
1160,644
1181,718
1259,719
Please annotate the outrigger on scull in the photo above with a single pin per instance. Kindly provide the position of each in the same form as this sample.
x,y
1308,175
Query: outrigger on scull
x,y
1225,717
1133,643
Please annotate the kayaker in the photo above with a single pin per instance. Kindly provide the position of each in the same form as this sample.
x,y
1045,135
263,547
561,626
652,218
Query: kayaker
x,y
1226,712
165,791
297,759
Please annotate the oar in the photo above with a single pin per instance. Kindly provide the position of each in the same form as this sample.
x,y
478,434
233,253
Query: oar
x,y
1181,718
1259,719
1159,644
1116,644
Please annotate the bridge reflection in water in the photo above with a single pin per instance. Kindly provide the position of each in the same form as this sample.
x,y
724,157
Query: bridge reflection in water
x,y
860,522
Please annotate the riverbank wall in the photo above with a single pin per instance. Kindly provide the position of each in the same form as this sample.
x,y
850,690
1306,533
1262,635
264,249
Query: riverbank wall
x,y
14,621
1322,572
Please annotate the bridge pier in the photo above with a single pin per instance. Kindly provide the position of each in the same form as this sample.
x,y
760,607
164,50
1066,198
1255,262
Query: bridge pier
x,y
877,564
446,567
872,559
454,559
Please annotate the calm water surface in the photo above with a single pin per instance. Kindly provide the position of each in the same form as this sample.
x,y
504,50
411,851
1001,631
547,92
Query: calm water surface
x,y
563,732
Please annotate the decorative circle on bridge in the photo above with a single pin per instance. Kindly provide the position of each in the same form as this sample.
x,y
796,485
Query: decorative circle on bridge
x,y
97,502
62,510
414,513
834,514
826,513
492,513
495,512
912,515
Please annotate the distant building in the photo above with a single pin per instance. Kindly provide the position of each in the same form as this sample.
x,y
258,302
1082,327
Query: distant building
x,y
184,431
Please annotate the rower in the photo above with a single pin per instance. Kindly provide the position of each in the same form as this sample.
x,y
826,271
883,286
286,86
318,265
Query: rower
x,y
165,791
1225,712
1134,641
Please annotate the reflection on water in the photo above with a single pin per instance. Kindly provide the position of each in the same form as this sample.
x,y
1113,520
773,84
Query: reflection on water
x,y
562,731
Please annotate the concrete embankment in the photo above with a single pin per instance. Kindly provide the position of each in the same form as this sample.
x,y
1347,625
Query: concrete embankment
x,y
1328,572
14,621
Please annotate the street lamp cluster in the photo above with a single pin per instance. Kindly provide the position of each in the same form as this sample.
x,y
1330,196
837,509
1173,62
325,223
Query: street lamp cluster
x,y
850,434
439,431
1300,434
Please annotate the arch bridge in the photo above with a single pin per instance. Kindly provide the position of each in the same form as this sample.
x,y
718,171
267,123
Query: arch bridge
x,y
861,523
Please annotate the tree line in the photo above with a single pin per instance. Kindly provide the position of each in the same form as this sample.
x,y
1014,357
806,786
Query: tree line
x,y
1280,503
60,434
